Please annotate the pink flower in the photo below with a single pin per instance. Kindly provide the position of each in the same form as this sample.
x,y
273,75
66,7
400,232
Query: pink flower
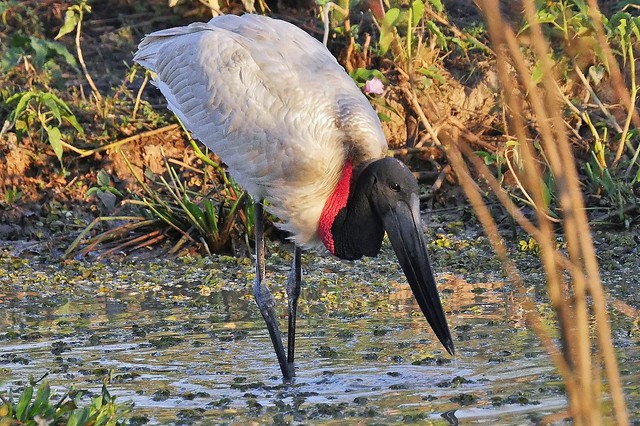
x,y
374,87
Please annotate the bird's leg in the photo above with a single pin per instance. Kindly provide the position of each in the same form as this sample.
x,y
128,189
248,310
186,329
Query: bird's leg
x,y
264,298
293,291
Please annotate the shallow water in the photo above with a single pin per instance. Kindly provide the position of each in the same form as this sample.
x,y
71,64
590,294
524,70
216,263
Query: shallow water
x,y
184,341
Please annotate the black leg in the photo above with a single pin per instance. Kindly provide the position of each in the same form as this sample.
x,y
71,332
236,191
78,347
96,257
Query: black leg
x,y
264,299
293,291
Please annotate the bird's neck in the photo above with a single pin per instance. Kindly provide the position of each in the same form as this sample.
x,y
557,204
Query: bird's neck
x,y
336,202
348,226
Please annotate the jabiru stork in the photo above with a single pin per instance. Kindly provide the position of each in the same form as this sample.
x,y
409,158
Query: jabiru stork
x,y
294,129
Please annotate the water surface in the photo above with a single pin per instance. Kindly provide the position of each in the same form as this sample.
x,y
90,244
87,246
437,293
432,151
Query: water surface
x,y
184,341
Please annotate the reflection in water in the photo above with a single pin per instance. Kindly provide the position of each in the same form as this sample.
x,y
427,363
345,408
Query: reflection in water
x,y
363,353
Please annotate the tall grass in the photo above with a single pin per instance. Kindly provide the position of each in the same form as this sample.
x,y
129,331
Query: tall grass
x,y
584,354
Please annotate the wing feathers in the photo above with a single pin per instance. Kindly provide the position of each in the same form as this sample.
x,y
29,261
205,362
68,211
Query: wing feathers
x,y
267,98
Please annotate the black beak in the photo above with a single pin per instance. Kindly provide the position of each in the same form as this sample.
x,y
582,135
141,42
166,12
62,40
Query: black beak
x,y
404,227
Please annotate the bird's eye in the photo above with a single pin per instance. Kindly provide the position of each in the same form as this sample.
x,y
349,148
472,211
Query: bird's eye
x,y
395,187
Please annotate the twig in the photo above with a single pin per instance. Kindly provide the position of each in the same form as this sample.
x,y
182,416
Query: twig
x,y
214,6
325,14
624,308
441,177
582,114
470,136
143,240
413,98
426,176
627,123
136,105
522,188
89,227
5,127
612,121
406,151
185,165
95,90
457,32
617,213
86,153
499,246
616,76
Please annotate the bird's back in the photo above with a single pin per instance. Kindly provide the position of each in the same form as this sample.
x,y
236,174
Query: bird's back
x,y
273,103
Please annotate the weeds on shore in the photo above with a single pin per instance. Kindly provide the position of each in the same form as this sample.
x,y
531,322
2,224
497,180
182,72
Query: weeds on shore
x,y
598,102
45,408
215,216
412,43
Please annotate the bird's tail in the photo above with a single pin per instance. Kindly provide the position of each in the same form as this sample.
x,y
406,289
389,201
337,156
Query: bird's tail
x,y
150,46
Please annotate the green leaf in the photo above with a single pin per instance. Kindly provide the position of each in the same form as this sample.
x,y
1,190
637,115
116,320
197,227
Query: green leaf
x,y
65,108
433,72
460,43
608,183
21,125
23,100
622,29
70,22
103,178
74,122
545,17
15,97
114,191
198,216
55,140
437,5
387,28
417,12
546,194
61,50
96,402
103,418
383,117
536,73
589,172
41,401
210,212
44,48
435,30
79,417
23,403
52,105
40,52
362,75
105,392
487,157
635,27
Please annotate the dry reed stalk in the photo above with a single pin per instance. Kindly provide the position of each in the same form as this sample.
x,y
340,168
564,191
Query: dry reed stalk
x,y
572,279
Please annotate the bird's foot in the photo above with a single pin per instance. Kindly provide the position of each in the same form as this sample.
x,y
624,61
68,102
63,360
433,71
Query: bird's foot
x,y
290,376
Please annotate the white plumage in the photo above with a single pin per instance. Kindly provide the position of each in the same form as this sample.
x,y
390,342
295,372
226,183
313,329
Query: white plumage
x,y
273,103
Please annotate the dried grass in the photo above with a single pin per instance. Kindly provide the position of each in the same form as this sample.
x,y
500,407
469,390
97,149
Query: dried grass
x,y
585,356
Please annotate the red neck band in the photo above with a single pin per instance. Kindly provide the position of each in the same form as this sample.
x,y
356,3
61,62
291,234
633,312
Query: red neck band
x,y
336,202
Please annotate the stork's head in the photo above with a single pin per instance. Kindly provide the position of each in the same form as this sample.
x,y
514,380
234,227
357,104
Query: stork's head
x,y
385,197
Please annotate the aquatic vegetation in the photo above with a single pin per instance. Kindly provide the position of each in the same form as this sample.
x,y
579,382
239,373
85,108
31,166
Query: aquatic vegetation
x,y
46,408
